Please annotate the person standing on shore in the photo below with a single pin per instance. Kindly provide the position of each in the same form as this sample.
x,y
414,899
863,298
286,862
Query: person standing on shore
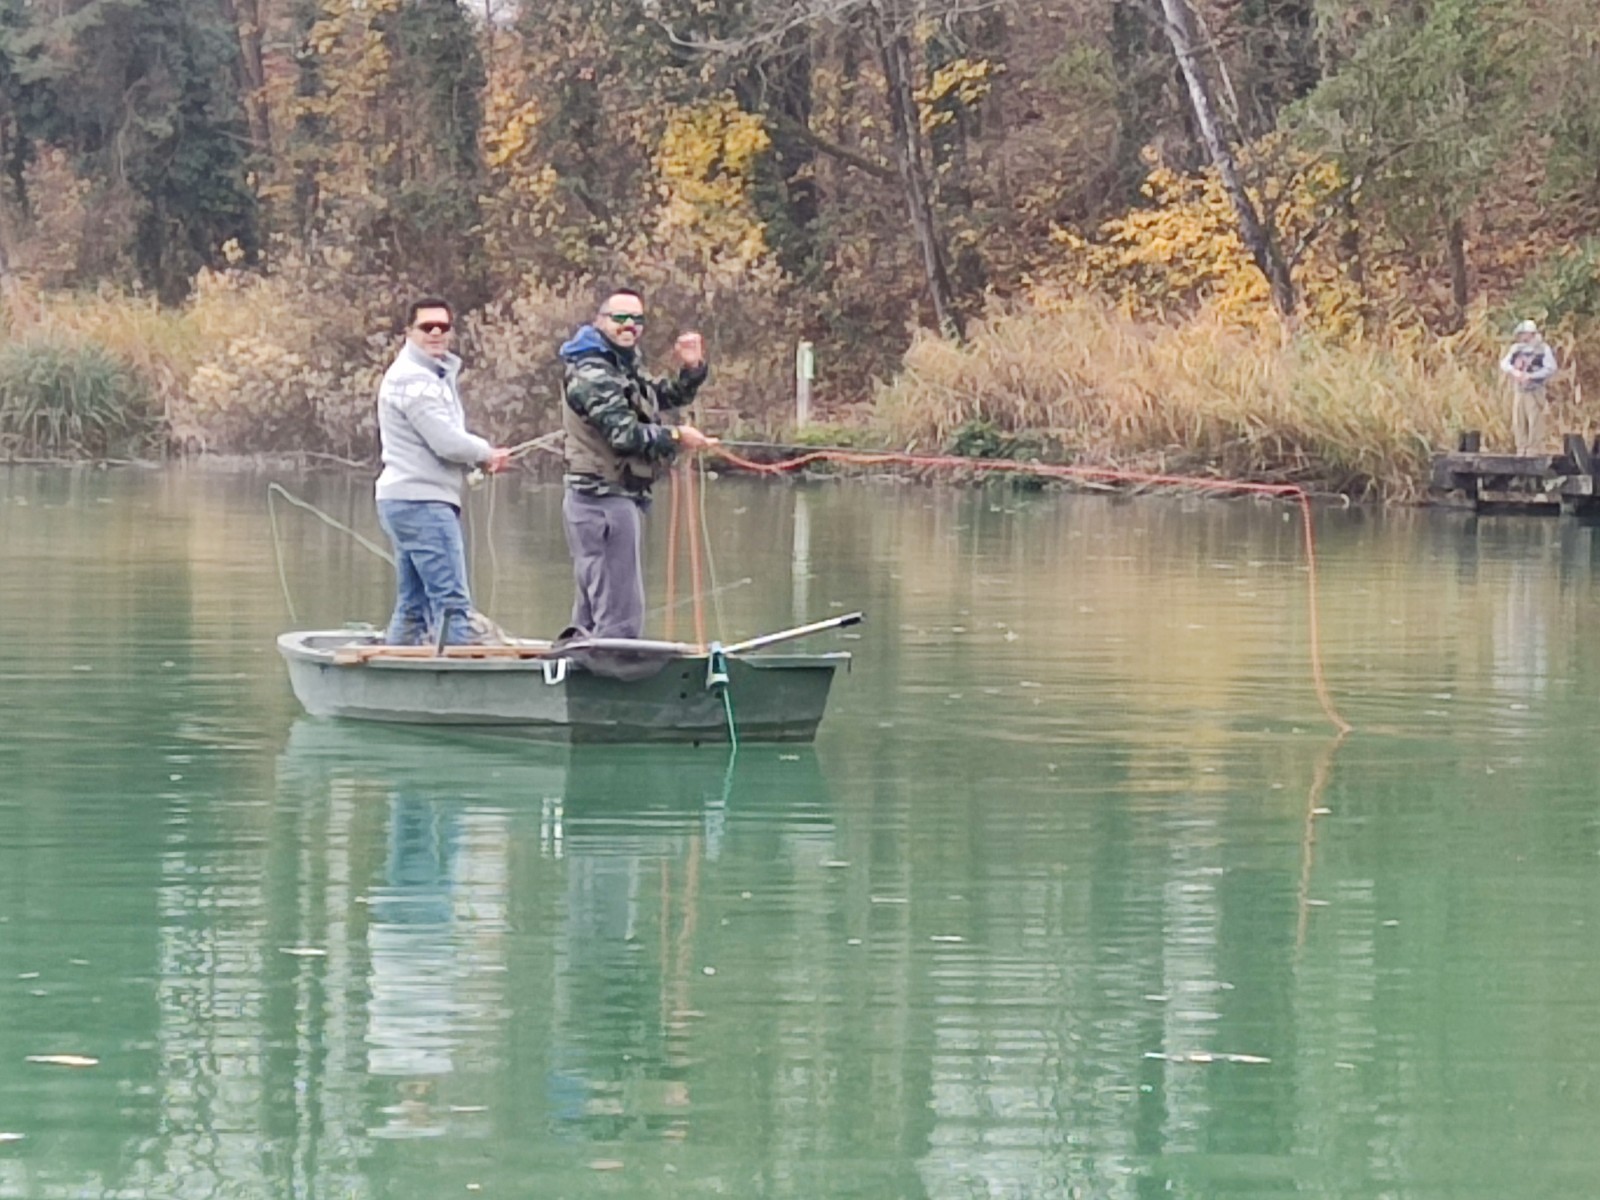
x,y
1529,363
616,446
427,453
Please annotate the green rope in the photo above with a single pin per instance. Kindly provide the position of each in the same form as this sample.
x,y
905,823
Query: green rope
x,y
717,681
733,729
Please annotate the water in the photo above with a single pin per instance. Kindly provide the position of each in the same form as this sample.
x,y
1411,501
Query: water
x,y
1078,893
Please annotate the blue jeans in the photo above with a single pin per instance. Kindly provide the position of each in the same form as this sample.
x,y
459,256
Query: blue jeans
x,y
430,562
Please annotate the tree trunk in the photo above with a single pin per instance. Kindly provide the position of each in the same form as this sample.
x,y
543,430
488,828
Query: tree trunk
x,y
910,164
1179,28
246,18
1460,291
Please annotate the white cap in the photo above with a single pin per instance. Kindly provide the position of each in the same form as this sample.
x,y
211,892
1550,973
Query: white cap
x,y
1527,327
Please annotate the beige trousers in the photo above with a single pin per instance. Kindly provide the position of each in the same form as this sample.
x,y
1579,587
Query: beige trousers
x,y
1528,419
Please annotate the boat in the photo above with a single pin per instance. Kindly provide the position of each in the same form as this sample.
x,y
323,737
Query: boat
x,y
577,690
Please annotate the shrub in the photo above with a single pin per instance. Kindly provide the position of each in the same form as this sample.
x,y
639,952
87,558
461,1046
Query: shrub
x,y
63,397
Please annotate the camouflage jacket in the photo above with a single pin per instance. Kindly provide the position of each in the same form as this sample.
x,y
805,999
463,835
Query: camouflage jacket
x,y
615,442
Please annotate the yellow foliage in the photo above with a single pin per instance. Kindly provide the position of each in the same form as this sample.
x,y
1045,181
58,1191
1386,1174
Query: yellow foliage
x,y
355,72
964,81
705,167
1182,253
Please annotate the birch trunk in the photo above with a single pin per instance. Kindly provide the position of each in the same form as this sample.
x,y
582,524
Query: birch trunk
x,y
1178,25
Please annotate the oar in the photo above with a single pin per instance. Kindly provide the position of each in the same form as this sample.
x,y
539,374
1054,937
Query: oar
x,y
799,631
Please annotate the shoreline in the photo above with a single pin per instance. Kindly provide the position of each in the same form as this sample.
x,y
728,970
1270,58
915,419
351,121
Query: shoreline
x,y
954,473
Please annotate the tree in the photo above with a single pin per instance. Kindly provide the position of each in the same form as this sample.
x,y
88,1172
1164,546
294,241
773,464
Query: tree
x,y
770,28
385,154
1178,25
1418,111
144,93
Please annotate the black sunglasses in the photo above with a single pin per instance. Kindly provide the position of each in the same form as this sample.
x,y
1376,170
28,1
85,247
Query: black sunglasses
x,y
434,327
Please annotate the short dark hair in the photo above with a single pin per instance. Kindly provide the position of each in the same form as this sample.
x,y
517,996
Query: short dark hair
x,y
427,302
600,300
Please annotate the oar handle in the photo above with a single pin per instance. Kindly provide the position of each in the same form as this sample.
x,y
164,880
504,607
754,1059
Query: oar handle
x,y
799,631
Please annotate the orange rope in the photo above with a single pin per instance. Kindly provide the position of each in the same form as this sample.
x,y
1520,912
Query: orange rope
x,y
1282,491
692,511
672,557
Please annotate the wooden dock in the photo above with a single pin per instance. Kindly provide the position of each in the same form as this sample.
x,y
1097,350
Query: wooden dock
x,y
1566,483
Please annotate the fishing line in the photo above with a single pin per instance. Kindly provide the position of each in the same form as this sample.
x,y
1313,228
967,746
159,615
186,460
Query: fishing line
x,y
276,489
711,563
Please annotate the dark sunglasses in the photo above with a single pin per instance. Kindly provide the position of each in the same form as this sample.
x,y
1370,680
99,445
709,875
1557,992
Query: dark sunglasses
x,y
626,318
434,327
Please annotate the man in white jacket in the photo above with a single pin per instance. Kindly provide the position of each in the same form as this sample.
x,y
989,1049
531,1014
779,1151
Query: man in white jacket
x,y
1529,364
427,453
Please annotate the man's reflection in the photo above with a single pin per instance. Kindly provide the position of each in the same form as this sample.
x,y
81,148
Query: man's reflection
x,y
433,933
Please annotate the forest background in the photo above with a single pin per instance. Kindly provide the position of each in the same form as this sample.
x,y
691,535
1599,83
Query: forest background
x,y
1271,239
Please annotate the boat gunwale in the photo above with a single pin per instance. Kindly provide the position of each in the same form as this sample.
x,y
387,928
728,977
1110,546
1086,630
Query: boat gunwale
x,y
293,645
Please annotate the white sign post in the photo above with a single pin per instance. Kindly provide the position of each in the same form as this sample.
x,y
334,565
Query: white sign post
x,y
805,368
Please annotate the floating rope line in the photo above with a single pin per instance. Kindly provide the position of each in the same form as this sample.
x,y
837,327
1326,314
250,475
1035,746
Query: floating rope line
x,y
1280,491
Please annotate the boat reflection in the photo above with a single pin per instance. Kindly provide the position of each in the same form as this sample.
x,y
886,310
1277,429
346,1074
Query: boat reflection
x,y
494,885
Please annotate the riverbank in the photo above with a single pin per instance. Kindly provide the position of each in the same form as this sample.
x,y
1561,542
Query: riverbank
x,y
242,372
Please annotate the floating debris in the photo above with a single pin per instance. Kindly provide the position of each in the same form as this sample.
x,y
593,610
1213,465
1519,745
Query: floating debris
x,y
889,900
29,975
946,937
788,758
708,970
835,864
63,1060
11,1137
469,1108
606,1164
852,941
303,951
1320,812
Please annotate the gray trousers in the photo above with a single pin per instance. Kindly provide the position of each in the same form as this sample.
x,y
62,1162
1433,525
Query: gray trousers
x,y
604,534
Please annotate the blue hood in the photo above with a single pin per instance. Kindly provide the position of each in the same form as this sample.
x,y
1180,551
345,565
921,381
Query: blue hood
x,y
588,341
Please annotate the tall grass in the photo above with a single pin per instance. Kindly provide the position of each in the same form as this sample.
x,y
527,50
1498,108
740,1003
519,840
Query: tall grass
x,y
63,397
1093,385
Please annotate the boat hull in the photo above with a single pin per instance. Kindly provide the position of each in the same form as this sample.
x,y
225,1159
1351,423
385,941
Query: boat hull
x,y
774,697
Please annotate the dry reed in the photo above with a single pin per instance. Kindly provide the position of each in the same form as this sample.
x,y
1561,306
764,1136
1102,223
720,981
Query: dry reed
x,y
1202,397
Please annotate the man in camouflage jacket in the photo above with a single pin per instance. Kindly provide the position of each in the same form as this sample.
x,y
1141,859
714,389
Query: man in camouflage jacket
x,y
616,445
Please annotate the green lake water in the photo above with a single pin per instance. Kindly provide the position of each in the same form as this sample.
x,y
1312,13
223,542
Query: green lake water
x,y
1077,894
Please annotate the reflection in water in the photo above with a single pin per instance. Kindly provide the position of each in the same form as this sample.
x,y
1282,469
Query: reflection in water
x,y
630,832
435,944
1065,918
